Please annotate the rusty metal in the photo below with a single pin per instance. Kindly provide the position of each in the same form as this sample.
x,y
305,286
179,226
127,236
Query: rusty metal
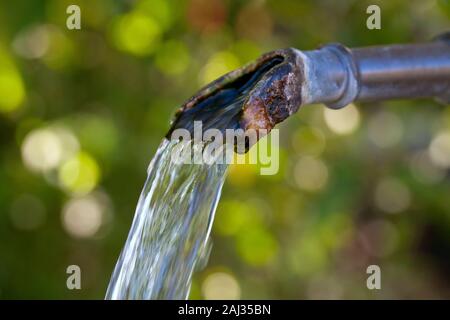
x,y
333,75
276,96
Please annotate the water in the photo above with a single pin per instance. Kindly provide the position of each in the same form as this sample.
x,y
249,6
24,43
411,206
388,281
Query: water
x,y
169,236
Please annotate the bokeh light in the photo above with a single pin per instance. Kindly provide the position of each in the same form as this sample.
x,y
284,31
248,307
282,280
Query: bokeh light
x,y
98,134
32,43
221,286
385,129
160,10
41,150
44,149
440,149
424,170
12,90
257,246
80,174
343,121
172,58
242,175
233,216
219,64
83,217
61,53
206,16
136,33
311,174
392,196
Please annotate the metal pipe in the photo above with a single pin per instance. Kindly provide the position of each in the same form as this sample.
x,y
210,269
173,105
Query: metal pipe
x,y
404,71
336,75
333,75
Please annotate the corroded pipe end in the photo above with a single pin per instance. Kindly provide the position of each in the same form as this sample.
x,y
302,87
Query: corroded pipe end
x,y
276,96
256,96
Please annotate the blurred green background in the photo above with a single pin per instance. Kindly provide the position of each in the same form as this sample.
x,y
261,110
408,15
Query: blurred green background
x,y
83,111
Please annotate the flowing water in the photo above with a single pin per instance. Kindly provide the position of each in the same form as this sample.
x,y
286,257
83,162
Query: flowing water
x,y
168,239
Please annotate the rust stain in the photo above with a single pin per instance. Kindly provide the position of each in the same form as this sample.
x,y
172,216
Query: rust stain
x,y
274,97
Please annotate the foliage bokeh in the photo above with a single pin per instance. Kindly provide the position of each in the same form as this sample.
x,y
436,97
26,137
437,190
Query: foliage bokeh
x,y
83,111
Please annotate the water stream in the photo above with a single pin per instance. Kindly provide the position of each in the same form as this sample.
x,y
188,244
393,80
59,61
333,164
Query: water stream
x,y
169,236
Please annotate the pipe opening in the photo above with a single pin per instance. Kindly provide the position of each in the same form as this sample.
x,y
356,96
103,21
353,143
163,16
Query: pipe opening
x,y
220,104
